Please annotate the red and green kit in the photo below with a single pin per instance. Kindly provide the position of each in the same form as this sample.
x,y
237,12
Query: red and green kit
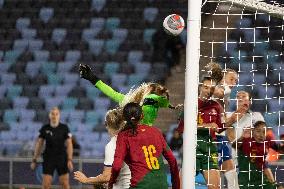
x,y
252,163
143,152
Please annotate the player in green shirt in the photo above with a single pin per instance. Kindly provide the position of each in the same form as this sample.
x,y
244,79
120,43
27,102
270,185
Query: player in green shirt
x,y
151,96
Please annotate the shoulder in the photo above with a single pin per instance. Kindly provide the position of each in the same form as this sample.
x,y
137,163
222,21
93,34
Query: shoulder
x,y
44,127
111,145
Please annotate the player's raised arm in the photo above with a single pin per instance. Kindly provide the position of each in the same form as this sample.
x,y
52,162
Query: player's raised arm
x,y
86,73
120,153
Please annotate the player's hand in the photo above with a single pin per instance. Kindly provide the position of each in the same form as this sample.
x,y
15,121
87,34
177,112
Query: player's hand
x,y
86,73
70,165
33,166
79,176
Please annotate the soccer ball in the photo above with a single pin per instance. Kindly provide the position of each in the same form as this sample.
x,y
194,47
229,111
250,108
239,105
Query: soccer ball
x,y
173,24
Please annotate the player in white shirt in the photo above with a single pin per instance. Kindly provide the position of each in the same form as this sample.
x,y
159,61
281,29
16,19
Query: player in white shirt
x,y
241,121
114,123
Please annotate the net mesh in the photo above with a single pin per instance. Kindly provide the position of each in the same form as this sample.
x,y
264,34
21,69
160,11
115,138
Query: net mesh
x,y
247,36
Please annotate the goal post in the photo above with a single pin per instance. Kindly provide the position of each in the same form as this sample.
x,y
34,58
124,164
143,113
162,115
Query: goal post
x,y
191,93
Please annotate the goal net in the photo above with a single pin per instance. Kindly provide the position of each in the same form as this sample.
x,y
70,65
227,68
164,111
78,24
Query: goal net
x,y
247,36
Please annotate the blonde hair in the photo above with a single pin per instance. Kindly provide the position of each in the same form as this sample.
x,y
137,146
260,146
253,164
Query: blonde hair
x,y
138,94
114,119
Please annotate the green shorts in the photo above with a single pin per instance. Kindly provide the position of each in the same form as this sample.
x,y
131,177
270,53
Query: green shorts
x,y
206,152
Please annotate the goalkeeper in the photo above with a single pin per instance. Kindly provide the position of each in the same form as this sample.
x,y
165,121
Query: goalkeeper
x,y
151,96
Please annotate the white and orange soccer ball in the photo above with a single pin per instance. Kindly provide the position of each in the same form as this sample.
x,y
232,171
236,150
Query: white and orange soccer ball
x,y
173,24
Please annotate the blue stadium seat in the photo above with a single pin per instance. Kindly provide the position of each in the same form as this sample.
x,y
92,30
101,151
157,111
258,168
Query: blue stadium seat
x,y
58,35
271,119
112,46
119,34
244,23
63,90
275,105
246,67
11,56
20,102
1,3
64,116
135,79
27,115
97,23
20,44
41,55
14,91
148,34
95,46
101,103
35,45
93,92
238,56
111,68
46,13
28,33
71,79
3,89
251,35
273,57
65,67
92,118
46,91
32,68
53,102
72,56
90,33
266,92
150,14
22,23
134,57
76,116
4,68
143,68
112,23
123,88
54,79
69,104
183,36
230,47
259,79
118,79
8,79
48,68
1,55
245,79
98,5
261,47
10,116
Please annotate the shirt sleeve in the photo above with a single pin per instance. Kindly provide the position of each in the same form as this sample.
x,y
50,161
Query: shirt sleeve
x,y
168,154
110,92
42,132
109,154
257,116
120,153
67,133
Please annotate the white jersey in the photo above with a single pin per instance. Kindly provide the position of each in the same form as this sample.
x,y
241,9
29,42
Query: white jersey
x,y
247,121
123,180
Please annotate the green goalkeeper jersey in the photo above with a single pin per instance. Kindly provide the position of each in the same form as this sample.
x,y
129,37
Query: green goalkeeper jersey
x,y
151,105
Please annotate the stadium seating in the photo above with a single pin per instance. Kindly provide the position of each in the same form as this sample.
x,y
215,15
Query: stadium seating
x,y
40,54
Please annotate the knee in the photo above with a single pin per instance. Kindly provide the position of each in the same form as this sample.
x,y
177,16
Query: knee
x,y
65,184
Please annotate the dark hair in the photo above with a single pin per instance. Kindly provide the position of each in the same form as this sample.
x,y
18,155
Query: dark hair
x,y
258,123
132,113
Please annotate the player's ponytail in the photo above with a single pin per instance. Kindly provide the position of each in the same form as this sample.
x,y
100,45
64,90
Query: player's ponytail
x,y
132,113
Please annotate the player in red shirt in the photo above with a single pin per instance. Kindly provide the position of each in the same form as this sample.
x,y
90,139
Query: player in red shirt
x,y
142,148
253,169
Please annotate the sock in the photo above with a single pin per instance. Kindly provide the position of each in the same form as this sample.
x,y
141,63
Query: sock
x,y
232,179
